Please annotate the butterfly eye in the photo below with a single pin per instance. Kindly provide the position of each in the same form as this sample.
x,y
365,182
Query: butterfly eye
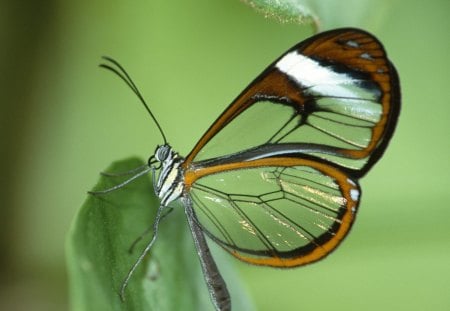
x,y
162,153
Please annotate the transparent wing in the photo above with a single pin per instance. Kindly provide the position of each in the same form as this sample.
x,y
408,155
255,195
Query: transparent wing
x,y
279,212
334,96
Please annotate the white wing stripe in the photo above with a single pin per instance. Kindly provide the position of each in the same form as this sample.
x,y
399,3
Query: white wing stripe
x,y
311,74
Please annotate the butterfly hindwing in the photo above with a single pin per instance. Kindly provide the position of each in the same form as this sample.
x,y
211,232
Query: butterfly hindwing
x,y
279,212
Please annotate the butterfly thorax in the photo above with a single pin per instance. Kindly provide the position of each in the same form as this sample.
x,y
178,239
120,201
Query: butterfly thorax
x,y
169,184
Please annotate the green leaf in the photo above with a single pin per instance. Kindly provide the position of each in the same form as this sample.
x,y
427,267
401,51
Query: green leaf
x,y
285,11
98,260
323,14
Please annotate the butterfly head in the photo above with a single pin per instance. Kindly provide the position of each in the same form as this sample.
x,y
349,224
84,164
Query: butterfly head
x,y
163,156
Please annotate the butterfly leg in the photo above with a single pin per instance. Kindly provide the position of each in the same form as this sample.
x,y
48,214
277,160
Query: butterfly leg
x,y
216,285
122,184
119,174
167,212
159,216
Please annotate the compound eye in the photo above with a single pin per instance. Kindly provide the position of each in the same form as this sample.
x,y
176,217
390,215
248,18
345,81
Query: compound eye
x,y
162,153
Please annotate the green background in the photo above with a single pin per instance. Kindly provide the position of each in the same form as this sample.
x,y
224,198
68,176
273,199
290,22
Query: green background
x,y
63,120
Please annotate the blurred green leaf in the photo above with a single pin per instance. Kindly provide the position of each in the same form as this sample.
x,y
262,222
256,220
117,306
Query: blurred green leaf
x,y
322,13
284,10
98,259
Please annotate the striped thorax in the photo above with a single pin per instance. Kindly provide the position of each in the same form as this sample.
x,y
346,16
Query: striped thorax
x,y
169,185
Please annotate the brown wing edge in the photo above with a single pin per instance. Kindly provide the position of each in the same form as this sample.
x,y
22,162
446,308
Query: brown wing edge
x,y
391,99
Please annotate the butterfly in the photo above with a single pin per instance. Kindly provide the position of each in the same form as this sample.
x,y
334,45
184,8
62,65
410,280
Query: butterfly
x,y
274,180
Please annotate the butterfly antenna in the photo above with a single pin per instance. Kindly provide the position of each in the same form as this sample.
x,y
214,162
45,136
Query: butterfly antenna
x,y
122,73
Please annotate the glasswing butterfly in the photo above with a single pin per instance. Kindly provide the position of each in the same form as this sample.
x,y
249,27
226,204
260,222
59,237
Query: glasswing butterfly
x,y
274,180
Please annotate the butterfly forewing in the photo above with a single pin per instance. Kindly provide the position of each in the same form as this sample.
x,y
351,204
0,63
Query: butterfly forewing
x,y
277,211
329,97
